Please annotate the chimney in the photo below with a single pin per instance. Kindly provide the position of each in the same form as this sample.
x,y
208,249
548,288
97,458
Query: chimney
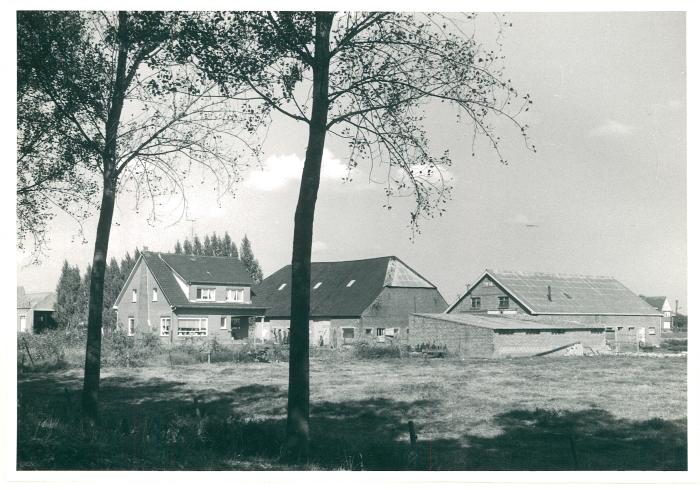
x,y
549,293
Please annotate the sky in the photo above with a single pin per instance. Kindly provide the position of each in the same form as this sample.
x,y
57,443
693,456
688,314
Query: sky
x,y
605,193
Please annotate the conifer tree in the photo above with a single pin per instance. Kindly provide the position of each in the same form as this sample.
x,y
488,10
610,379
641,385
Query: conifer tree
x,y
178,248
197,248
249,261
67,297
206,247
187,247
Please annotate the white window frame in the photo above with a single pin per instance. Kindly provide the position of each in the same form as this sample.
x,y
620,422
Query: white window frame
x,y
474,306
134,295
210,296
131,326
154,295
501,306
222,323
165,321
203,326
235,295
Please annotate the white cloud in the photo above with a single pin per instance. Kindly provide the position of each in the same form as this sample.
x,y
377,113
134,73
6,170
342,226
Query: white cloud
x,y
281,170
611,128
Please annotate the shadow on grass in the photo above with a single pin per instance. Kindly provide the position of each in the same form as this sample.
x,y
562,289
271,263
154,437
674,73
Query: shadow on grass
x,y
164,425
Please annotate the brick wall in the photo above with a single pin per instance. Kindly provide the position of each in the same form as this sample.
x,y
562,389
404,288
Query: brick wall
x,y
466,340
521,343
488,296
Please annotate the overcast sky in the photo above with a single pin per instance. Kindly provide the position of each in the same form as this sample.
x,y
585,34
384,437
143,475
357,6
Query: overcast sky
x,y
605,194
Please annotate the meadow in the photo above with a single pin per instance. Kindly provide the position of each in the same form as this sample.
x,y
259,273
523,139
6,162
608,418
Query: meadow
x,y
585,413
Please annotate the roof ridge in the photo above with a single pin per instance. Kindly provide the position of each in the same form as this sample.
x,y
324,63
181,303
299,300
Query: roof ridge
x,y
557,274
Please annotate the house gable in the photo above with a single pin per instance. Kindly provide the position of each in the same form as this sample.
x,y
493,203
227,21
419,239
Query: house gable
x,y
488,291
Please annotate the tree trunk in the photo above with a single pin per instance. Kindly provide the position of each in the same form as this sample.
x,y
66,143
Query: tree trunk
x,y
297,444
93,349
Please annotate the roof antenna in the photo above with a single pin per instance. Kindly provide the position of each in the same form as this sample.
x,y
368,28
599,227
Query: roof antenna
x,y
549,292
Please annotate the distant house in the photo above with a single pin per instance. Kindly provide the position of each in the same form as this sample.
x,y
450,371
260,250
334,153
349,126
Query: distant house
x,y
660,303
350,300
575,302
184,296
35,311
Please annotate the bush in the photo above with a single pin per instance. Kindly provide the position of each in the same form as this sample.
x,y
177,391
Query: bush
x,y
54,349
375,350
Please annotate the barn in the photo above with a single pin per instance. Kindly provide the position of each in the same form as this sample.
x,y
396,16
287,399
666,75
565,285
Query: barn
x,y
564,301
483,336
368,299
35,311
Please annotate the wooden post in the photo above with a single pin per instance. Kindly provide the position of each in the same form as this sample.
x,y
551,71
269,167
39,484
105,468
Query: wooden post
x,y
26,347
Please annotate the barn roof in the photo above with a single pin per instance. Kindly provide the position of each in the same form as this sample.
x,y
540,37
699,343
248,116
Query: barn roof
x,y
43,301
571,294
340,289
502,322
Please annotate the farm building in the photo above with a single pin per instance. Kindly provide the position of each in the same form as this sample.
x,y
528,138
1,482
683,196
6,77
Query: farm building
x,y
660,303
558,300
497,336
350,300
35,311
184,296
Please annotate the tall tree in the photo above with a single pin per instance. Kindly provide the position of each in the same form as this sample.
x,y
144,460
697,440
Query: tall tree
x,y
178,248
370,76
67,305
216,245
229,246
133,112
197,247
113,285
250,262
187,248
207,249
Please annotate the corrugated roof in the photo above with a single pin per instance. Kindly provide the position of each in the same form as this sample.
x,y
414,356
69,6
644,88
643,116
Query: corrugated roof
x,y
198,269
502,322
571,294
333,297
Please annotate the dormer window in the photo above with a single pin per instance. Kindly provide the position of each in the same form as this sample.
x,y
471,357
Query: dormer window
x,y
134,295
281,286
318,285
234,295
350,283
206,294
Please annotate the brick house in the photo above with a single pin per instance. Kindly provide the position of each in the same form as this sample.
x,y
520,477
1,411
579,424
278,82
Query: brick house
x,y
565,300
184,296
660,303
35,311
350,300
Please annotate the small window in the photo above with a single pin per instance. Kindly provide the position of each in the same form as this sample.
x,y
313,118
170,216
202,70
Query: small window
x,y
407,330
318,285
223,323
488,283
396,331
352,281
532,332
368,331
652,331
165,326
234,295
630,329
505,332
155,294
503,302
281,286
667,314
131,327
348,333
557,332
476,303
134,295
206,294
380,332
619,329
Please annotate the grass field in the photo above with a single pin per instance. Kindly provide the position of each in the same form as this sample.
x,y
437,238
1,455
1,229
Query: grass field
x,y
590,413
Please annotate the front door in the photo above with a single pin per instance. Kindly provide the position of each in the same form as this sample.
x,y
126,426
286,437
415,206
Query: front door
x,y
239,327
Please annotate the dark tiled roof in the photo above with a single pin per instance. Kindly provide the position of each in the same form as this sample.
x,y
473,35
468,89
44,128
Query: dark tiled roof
x,y
333,298
572,294
165,279
655,301
500,322
197,269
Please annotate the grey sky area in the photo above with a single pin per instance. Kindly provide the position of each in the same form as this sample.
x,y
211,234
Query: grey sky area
x,y
605,194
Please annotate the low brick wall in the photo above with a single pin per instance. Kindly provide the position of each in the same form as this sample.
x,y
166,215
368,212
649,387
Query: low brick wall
x,y
458,338
521,343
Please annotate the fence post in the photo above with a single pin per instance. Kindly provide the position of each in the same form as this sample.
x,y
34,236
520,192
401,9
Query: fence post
x,y
412,454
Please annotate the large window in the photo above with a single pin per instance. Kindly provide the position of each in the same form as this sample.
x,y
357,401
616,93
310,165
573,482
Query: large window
x,y
131,326
192,327
476,303
503,302
206,294
235,295
165,326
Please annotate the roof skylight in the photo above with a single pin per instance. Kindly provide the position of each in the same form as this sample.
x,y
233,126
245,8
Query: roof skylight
x,y
281,286
318,285
352,281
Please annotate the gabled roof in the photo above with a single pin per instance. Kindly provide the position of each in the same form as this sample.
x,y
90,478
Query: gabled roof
x,y
165,268
571,294
198,269
43,301
657,302
346,289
